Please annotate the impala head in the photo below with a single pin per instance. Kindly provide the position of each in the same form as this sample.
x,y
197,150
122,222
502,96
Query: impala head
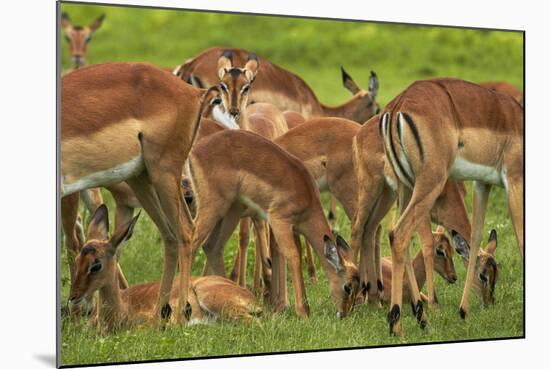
x,y
78,38
486,272
235,83
443,256
345,288
96,263
366,105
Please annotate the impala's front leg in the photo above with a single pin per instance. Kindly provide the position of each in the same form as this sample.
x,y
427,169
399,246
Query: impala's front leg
x,y
480,199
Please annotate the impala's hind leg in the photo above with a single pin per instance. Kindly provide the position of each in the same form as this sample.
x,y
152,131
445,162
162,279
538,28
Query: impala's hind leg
x,y
261,230
279,295
480,199
515,203
426,191
427,243
309,257
238,273
284,235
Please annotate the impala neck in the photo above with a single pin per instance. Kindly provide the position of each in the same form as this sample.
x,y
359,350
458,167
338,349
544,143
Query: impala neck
x,y
351,109
243,122
114,308
419,269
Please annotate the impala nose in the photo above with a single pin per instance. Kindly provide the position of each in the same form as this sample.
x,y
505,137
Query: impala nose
x,y
78,61
234,112
452,278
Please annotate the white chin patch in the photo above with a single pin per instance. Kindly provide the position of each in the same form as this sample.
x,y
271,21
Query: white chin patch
x,y
226,120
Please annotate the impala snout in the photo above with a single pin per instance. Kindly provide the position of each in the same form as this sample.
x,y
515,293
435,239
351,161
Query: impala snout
x,y
451,278
234,112
78,61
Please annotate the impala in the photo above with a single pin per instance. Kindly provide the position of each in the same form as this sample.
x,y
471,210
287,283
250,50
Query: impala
x,y
443,264
504,88
448,128
139,128
283,88
96,266
78,38
230,186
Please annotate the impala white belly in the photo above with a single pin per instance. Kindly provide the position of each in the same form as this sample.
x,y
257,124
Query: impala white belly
x,y
106,177
465,170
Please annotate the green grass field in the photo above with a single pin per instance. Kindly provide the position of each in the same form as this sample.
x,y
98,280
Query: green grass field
x,y
314,49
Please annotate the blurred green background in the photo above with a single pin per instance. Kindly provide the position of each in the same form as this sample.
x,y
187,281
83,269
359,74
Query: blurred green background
x,y
315,50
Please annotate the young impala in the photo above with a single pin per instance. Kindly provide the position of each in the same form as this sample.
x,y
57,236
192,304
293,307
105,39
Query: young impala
x,y
228,186
282,88
209,297
448,128
78,38
136,123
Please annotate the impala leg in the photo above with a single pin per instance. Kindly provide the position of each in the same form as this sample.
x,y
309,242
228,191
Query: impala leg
x,y
261,230
515,203
257,283
310,263
422,200
69,214
427,242
92,199
148,198
480,199
279,290
244,240
284,236
332,214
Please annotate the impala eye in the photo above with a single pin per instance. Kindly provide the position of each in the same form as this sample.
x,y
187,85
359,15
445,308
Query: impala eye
x,y
245,89
223,86
96,267
88,39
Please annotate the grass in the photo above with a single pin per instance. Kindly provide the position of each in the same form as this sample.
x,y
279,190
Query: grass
x,y
314,49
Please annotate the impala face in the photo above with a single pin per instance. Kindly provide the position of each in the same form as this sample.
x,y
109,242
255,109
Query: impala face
x,y
486,271
78,38
346,287
235,84
443,258
96,265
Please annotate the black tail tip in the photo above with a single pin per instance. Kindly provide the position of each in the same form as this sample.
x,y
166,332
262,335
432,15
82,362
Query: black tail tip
x,y
493,235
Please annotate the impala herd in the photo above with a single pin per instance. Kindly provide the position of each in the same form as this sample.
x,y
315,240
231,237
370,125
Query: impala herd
x,y
228,138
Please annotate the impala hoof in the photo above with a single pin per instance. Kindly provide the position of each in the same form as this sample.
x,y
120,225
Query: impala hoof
x,y
462,313
165,312
393,320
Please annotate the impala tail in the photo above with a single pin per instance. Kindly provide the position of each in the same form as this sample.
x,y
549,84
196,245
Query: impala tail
x,y
402,145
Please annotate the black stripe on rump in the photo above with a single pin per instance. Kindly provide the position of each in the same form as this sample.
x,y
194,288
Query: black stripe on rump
x,y
415,133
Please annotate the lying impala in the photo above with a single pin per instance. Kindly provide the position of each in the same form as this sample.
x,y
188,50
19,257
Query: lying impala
x,y
283,88
447,128
139,129
78,38
285,195
210,297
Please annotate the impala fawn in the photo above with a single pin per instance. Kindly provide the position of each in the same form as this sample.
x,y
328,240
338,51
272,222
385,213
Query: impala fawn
x,y
229,185
210,297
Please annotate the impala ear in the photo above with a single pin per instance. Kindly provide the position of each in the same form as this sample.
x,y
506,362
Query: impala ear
x,y
94,26
225,63
348,82
343,247
251,67
331,253
460,244
66,22
492,245
440,229
123,234
98,229
373,85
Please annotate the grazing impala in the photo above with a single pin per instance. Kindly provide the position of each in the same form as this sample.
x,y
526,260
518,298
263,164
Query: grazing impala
x,y
136,123
283,88
210,297
228,186
448,128
78,38
443,264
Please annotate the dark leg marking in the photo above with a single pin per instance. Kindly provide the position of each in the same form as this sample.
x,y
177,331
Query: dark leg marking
x,y
393,316
187,310
462,313
166,311
379,285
